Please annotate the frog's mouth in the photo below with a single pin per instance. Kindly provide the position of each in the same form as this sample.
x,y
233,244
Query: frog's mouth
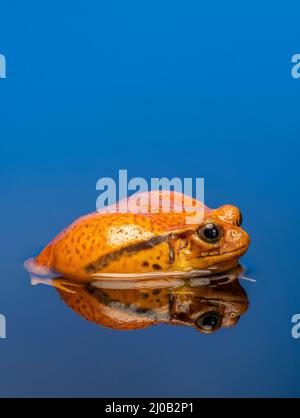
x,y
216,252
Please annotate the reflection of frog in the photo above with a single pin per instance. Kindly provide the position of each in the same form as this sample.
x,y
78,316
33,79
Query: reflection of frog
x,y
110,242
206,308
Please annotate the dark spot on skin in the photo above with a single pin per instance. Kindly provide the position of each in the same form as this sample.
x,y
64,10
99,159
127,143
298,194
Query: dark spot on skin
x,y
156,291
141,310
98,294
145,295
158,257
171,300
145,264
180,316
156,266
157,300
91,289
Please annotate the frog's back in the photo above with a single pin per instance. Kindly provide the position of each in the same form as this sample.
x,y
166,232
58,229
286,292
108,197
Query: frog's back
x,y
101,238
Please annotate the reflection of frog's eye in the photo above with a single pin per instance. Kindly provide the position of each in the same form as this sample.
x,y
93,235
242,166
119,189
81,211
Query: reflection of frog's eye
x,y
209,322
240,220
210,233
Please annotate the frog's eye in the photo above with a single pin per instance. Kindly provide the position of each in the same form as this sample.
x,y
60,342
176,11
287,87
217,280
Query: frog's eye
x,y
210,233
209,322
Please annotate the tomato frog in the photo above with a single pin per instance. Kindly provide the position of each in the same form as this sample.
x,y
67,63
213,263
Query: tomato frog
x,y
151,241
140,305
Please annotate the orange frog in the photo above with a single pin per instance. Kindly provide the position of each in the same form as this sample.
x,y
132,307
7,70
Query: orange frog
x,y
110,242
139,304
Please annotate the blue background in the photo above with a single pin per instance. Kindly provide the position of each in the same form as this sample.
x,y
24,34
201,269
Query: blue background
x,y
160,88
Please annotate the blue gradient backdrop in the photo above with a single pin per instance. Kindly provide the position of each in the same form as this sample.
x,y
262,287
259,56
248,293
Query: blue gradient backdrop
x,y
161,88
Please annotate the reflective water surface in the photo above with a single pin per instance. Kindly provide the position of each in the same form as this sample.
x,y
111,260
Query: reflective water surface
x,y
160,88
206,304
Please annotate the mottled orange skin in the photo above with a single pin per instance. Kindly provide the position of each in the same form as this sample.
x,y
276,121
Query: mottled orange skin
x,y
131,309
104,242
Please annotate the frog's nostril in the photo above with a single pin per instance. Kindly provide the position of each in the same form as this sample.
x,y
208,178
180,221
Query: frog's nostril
x,y
240,219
